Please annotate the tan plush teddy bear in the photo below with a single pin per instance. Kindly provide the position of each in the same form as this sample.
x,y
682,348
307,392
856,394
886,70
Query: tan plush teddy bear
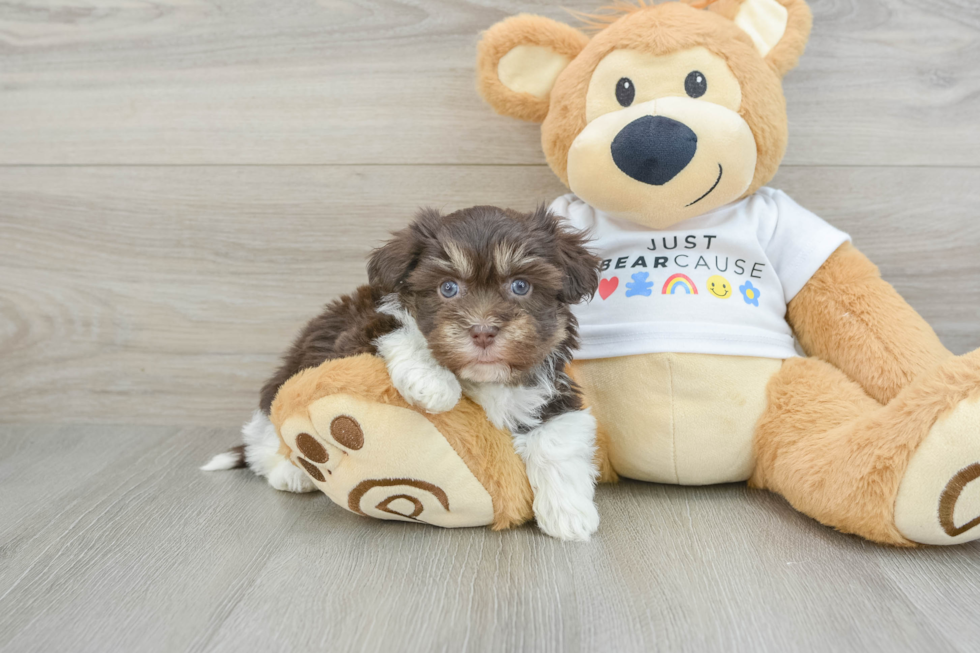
x,y
666,125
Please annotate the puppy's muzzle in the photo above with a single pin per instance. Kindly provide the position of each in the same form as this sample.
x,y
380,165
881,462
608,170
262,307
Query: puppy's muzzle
x,y
483,336
654,149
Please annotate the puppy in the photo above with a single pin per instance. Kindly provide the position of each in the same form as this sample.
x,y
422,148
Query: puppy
x,y
476,302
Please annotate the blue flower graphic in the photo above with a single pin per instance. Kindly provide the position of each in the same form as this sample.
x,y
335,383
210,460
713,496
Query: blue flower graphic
x,y
639,285
750,293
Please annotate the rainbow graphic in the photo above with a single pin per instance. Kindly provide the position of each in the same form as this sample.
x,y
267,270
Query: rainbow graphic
x,y
680,283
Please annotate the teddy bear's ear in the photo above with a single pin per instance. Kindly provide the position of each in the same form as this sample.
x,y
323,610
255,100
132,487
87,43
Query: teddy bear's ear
x,y
778,28
518,61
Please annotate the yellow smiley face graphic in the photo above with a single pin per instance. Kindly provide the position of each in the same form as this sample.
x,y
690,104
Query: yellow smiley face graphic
x,y
719,287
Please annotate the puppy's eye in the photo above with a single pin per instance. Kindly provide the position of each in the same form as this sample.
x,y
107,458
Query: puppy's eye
x,y
520,287
625,91
449,289
696,84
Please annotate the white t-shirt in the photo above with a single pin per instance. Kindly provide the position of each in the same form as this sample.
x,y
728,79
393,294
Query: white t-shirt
x,y
715,284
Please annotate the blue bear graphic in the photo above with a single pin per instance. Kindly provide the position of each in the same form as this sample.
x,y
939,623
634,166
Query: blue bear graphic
x,y
639,285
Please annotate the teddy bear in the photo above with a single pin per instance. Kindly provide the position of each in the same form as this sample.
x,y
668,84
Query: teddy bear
x,y
735,336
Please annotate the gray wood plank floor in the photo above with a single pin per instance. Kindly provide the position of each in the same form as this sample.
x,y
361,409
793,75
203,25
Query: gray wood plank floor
x,y
113,541
184,182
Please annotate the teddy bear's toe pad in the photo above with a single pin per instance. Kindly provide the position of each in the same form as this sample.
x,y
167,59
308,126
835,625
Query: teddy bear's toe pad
x,y
939,498
386,462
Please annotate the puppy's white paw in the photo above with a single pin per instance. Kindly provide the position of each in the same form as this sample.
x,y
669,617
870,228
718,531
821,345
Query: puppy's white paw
x,y
262,456
435,391
560,459
286,477
417,376
566,515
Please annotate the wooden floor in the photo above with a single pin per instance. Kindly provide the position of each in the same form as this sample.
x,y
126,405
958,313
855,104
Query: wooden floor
x,y
184,182
113,541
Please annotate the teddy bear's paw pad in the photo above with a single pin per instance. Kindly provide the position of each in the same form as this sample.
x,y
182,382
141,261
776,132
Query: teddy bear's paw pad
x,y
386,462
939,499
308,451
347,432
397,498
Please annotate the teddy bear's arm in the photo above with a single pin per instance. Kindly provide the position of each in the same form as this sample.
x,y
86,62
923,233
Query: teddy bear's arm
x,y
852,318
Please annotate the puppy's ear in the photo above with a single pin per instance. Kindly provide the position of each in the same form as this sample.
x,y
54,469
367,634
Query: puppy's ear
x,y
390,264
580,266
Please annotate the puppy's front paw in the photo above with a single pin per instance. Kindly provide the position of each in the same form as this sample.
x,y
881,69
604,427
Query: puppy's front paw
x,y
287,478
419,379
568,516
560,459
436,390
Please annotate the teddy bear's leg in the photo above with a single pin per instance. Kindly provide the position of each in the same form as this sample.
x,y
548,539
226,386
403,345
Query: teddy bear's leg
x,y
372,453
898,474
602,460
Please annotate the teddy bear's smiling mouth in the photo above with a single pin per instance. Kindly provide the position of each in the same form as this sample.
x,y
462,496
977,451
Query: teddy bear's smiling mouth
x,y
710,190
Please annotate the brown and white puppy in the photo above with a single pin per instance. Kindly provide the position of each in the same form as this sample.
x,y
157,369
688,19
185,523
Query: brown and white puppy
x,y
476,302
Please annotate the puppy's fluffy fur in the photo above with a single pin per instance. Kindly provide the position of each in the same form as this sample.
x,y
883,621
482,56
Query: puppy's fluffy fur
x,y
477,302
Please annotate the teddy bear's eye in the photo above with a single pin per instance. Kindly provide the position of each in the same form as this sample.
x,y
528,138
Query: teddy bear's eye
x,y
625,91
696,85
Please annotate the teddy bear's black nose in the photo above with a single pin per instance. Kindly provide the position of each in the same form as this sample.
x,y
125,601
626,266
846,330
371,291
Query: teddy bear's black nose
x,y
654,149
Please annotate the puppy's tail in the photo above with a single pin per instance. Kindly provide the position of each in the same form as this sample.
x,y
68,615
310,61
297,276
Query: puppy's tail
x,y
234,458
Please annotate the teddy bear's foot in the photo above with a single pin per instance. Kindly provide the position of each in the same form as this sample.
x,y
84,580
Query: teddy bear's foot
x,y
384,461
938,500
903,474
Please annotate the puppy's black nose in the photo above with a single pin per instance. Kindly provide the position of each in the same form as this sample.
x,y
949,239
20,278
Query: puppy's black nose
x,y
483,335
654,149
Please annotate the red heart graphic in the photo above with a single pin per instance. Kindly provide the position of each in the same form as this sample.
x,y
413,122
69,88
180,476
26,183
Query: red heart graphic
x,y
608,287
